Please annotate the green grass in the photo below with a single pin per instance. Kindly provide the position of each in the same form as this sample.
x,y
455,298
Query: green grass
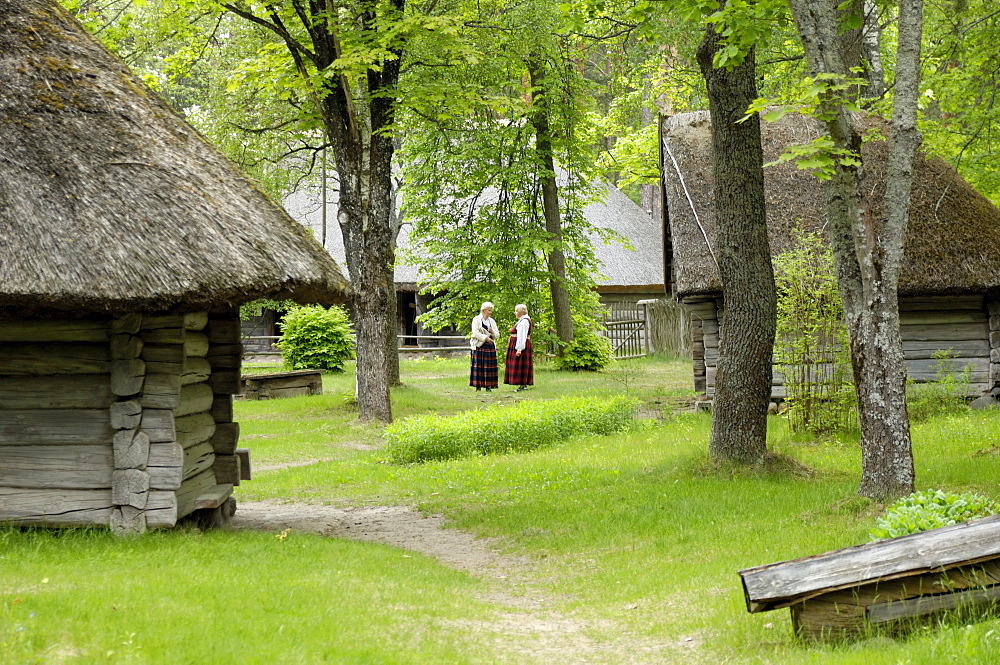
x,y
631,544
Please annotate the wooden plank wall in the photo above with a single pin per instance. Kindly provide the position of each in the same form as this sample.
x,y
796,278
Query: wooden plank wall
x,y
993,309
939,323
966,325
112,422
704,340
225,355
55,392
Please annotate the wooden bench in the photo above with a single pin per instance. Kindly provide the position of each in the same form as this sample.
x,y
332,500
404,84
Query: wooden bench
x,y
282,384
886,585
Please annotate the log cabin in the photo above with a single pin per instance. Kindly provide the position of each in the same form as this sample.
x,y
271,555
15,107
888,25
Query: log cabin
x,y
949,288
129,244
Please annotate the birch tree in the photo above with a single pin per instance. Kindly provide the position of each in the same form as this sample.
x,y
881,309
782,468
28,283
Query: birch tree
x,y
868,248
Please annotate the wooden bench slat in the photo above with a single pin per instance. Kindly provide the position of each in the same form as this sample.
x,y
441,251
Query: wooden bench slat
x,y
777,585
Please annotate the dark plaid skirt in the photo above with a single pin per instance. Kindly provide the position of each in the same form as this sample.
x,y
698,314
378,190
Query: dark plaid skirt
x,y
518,370
484,366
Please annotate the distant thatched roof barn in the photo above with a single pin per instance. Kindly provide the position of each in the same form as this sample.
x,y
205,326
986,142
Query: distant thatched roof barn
x,y
128,245
950,280
627,274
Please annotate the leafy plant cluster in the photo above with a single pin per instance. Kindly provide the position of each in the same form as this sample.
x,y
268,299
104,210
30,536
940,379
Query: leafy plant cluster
x,y
314,337
504,429
588,350
811,347
930,509
946,395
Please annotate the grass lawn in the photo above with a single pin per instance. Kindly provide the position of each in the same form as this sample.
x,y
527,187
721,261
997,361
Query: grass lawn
x,y
623,549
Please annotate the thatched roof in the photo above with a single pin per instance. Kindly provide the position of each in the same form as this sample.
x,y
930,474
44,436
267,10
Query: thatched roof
x,y
953,238
637,269
109,201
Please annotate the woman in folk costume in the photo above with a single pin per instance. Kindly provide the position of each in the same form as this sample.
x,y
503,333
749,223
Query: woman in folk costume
x,y
518,369
484,349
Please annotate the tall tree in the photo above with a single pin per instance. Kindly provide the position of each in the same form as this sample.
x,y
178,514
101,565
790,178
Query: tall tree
x,y
539,116
868,248
746,337
356,111
498,172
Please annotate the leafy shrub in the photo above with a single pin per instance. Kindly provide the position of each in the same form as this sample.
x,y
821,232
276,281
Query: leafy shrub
x,y
504,429
943,396
810,345
930,509
314,337
587,350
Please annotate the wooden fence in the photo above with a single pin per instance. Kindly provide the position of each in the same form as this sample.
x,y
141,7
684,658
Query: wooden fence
x,y
625,325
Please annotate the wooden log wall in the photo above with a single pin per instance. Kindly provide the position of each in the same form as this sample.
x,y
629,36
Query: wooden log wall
x,y
225,356
70,450
965,325
704,340
124,422
993,309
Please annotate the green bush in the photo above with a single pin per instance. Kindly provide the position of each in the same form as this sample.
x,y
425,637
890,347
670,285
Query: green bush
x,y
504,429
930,509
586,351
314,337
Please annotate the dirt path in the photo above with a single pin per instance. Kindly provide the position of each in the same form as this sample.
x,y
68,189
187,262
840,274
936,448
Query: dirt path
x,y
398,526
526,627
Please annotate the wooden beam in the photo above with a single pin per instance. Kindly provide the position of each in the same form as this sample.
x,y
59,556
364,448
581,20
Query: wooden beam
x,y
130,487
222,408
225,438
126,415
227,469
55,507
76,391
158,424
161,391
161,509
56,330
195,398
164,358
127,521
195,344
244,455
46,359
781,584
224,330
194,428
131,449
190,491
225,355
71,467
127,377
196,370
197,458
55,426
909,608
225,381
125,347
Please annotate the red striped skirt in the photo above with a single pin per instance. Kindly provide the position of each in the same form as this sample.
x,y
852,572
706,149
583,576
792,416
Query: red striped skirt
x,y
518,370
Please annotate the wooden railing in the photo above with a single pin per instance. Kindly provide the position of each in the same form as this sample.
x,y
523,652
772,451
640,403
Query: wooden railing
x,y
625,326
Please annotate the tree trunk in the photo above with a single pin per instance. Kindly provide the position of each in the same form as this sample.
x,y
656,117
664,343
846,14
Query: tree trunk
x,y
868,251
550,202
746,337
363,152
871,41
